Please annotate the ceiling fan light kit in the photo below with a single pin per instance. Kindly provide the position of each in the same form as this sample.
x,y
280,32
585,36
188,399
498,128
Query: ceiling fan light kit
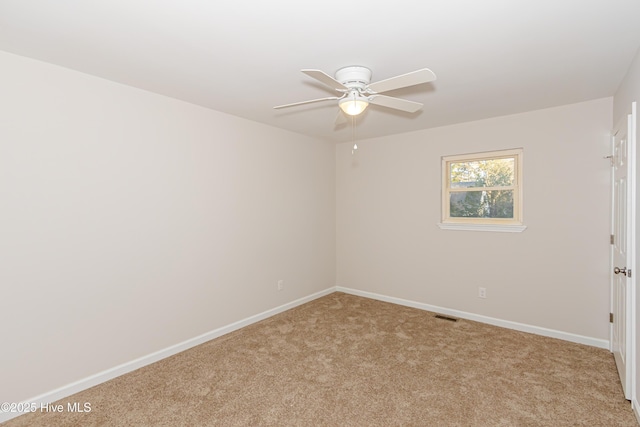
x,y
353,82
353,105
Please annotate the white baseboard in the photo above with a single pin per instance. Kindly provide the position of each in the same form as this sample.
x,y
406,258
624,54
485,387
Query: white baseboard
x,y
85,383
635,406
580,339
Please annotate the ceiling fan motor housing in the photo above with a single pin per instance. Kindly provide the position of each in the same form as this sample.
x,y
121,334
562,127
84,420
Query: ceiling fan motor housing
x,y
354,77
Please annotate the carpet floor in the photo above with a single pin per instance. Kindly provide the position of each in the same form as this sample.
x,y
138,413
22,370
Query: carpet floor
x,y
344,360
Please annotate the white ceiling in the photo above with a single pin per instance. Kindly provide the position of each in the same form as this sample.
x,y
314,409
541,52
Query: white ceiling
x,y
492,57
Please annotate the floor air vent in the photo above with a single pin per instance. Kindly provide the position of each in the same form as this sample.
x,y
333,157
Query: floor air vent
x,y
450,319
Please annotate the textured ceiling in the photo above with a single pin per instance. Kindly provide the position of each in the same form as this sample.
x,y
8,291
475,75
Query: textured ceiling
x,y
492,58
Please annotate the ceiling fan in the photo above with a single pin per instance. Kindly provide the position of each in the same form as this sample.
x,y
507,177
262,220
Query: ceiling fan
x,y
357,92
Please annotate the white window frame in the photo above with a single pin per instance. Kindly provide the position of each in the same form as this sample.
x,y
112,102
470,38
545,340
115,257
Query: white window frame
x,y
514,224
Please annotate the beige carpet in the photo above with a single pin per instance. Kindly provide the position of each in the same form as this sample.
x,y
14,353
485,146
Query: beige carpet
x,y
344,360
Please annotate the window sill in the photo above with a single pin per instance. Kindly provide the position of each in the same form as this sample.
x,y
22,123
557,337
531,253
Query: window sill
x,y
500,228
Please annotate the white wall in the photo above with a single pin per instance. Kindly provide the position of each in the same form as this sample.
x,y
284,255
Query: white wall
x,y
130,222
553,275
628,91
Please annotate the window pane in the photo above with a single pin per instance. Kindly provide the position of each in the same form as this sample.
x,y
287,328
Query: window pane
x,y
481,204
482,173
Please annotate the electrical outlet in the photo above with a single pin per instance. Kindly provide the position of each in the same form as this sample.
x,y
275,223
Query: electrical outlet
x,y
280,284
482,292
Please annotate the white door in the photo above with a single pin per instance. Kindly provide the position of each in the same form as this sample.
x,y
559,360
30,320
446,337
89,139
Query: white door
x,y
622,250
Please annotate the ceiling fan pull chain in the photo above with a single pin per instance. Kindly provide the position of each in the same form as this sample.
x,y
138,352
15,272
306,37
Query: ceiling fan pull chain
x,y
353,133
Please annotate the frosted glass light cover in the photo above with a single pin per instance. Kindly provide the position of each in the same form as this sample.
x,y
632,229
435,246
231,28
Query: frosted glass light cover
x,y
353,107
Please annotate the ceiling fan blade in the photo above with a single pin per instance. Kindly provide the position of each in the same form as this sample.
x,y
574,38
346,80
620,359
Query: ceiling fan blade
x,y
424,75
331,98
395,103
325,78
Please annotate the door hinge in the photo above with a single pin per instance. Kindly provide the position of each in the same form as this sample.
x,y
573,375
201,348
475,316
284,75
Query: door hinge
x,y
611,240
610,317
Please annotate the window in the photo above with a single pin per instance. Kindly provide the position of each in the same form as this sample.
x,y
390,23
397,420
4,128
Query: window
x,y
483,191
